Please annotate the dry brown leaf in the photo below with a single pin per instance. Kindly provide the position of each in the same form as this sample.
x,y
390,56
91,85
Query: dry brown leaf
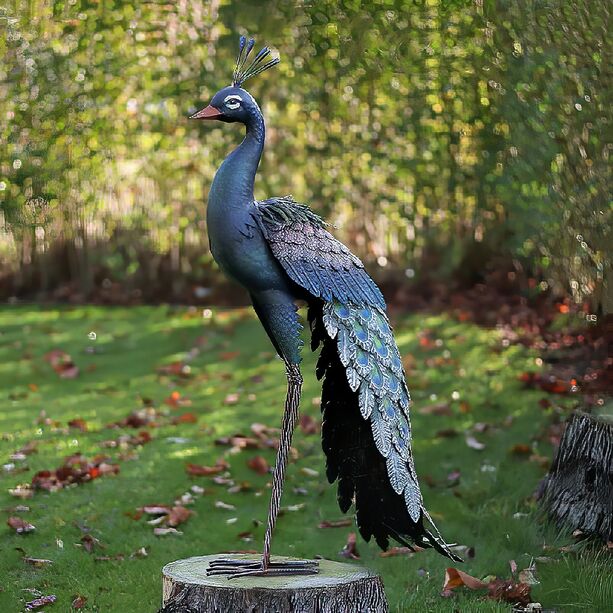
x,y
308,425
21,526
78,602
37,561
205,471
336,523
258,464
521,449
175,400
400,551
457,578
178,515
90,543
350,550
185,418
509,591
62,364
78,423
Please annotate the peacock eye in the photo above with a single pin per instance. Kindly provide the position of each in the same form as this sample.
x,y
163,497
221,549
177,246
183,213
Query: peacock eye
x,y
233,103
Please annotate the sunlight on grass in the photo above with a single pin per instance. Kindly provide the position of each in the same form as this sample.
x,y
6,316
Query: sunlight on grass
x,y
234,381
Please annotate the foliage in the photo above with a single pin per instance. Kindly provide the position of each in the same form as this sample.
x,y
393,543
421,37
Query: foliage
x,y
437,135
158,407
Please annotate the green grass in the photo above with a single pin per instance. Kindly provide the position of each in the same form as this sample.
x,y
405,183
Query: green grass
x,y
490,509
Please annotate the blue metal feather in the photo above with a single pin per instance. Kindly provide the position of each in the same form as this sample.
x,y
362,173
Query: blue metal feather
x,y
367,350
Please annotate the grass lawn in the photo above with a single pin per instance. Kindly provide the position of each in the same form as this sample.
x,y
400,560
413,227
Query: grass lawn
x,y
481,498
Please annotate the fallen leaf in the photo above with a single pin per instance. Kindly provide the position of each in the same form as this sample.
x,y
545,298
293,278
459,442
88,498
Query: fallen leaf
x,y
177,369
441,408
521,449
447,433
528,576
309,472
75,469
205,471
400,551
308,425
509,591
178,515
464,407
175,400
336,523
240,441
454,477
258,464
350,550
90,543
26,450
62,364
21,526
37,603
79,424
456,578
220,504
166,531
22,491
78,602
37,562
473,443
185,418
160,509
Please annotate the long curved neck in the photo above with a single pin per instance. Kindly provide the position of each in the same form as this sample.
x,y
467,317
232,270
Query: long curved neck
x,y
234,181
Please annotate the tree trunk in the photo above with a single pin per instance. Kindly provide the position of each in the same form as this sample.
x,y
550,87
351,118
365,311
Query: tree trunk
x,y
579,489
337,588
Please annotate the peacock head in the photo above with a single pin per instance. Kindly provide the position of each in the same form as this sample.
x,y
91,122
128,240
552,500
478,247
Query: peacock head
x,y
233,103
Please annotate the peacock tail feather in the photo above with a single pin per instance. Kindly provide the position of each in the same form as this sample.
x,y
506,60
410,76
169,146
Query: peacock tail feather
x,y
366,431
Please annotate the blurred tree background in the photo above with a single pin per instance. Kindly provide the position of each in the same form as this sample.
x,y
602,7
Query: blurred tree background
x,y
446,139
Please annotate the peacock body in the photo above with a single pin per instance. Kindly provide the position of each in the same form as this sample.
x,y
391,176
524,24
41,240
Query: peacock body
x,y
281,252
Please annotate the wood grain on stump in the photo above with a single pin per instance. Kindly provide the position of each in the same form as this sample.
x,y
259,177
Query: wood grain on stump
x,y
579,490
337,588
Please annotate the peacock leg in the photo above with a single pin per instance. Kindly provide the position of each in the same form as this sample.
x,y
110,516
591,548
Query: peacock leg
x,y
241,568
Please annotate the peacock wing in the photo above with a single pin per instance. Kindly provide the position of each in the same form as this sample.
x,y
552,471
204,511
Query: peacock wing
x,y
311,256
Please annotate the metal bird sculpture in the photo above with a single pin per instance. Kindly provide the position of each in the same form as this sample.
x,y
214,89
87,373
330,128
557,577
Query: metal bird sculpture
x,y
281,252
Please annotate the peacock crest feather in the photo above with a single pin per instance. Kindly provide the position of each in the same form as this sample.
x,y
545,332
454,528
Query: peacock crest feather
x,y
260,63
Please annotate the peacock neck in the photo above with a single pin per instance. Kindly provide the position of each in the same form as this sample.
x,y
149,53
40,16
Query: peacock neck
x,y
234,181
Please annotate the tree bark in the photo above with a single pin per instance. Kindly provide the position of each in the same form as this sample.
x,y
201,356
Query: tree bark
x,y
337,588
579,489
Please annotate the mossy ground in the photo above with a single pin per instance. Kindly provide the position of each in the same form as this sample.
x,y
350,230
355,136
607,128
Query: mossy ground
x,y
466,366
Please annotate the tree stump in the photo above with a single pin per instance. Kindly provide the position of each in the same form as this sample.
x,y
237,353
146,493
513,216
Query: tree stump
x,y
579,489
337,588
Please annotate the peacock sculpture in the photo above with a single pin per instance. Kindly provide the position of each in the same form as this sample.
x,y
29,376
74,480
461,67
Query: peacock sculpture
x,y
281,252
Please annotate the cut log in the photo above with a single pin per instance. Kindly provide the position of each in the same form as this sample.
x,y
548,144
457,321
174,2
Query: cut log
x,y
578,492
337,588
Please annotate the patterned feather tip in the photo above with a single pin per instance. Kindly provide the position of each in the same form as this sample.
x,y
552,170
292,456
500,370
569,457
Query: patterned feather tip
x,y
260,63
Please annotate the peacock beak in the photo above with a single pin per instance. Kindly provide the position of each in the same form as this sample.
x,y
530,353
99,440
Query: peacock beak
x,y
210,112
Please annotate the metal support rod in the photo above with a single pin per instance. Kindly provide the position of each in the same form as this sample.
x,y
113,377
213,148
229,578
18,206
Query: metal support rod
x,y
288,424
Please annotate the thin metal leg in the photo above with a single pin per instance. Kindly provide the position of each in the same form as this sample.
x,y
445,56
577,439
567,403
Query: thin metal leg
x,y
241,568
288,424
